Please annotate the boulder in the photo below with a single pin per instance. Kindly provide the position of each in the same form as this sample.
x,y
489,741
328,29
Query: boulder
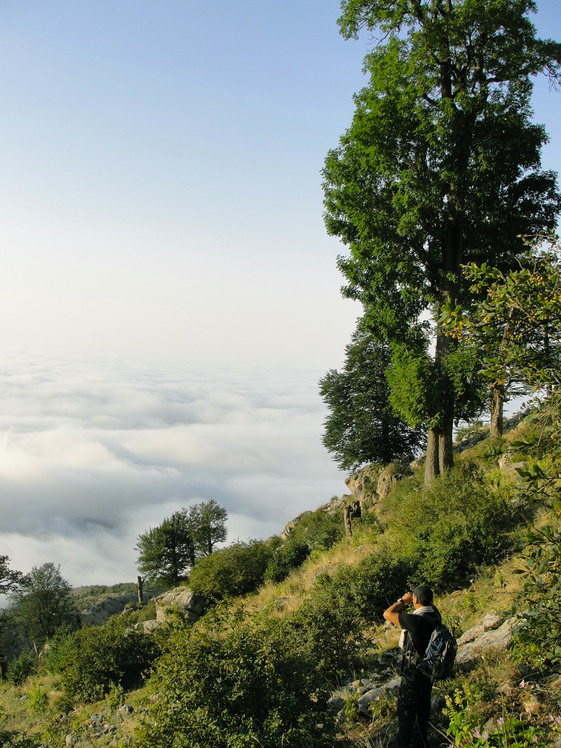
x,y
495,639
374,694
182,601
292,524
506,464
386,480
489,623
363,483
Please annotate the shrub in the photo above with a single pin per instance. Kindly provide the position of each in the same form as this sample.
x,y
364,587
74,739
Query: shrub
x,y
287,556
237,681
21,668
331,622
38,698
456,524
235,570
9,739
94,660
319,530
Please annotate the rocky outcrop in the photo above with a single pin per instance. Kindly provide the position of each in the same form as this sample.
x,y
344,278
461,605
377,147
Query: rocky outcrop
x,y
181,601
475,643
363,484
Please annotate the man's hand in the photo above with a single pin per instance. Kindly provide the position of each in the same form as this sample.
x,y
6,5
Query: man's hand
x,y
392,613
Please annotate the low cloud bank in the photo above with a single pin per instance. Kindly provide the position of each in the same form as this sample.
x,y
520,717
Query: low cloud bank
x,y
92,454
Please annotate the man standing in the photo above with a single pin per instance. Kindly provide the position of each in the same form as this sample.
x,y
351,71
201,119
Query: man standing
x,y
413,703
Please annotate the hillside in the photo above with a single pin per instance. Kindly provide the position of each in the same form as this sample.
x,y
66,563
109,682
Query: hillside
x,y
290,662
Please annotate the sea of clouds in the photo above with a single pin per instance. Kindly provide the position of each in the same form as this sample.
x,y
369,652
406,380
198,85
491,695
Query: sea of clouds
x,y
94,453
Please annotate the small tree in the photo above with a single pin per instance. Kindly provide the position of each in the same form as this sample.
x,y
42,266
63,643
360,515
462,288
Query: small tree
x,y
362,427
514,328
166,552
43,604
209,526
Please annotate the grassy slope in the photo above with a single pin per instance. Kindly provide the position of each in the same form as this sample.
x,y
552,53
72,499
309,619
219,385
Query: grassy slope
x,y
29,709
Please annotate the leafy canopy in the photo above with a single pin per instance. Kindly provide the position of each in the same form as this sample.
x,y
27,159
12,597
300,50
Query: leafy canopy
x,y
362,426
43,604
440,167
166,552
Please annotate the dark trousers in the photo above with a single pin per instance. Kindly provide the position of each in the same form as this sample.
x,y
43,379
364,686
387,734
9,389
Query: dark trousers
x,y
413,709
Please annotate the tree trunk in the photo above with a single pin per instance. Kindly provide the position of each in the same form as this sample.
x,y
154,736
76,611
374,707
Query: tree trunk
x,y
445,451
497,409
432,461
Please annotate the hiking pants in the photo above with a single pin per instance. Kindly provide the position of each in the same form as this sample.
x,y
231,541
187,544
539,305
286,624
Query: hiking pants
x,y
413,709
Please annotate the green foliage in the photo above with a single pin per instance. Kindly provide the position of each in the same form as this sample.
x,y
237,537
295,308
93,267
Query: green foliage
x,y
288,555
166,552
94,660
539,633
208,520
411,377
38,698
10,580
440,166
43,604
367,588
235,570
319,530
513,326
11,739
21,668
507,730
455,525
361,427
237,682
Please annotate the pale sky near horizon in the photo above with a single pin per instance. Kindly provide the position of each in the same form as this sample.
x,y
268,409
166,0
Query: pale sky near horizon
x,y
168,293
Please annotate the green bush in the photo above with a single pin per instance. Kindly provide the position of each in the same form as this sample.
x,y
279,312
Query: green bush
x,y
342,605
448,529
235,570
9,739
237,682
94,660
319,530
21,668
38,699
289,555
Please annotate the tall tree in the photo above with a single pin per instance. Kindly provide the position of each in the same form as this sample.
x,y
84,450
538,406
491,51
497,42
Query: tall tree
x,y
10,580
361,426
441,166
43,604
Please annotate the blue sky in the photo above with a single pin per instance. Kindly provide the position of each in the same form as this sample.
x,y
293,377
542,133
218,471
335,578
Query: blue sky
x,y
169,296
160,177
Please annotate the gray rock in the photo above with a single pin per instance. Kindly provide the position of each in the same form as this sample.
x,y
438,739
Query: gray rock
x,y
497,639
489,623
363,483
180,600
374,694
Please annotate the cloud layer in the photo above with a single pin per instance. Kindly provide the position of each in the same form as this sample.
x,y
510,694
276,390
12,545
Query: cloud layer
x,y
91,455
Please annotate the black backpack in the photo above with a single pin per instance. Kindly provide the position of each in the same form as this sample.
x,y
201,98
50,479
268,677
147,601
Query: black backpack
x,y
440,654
